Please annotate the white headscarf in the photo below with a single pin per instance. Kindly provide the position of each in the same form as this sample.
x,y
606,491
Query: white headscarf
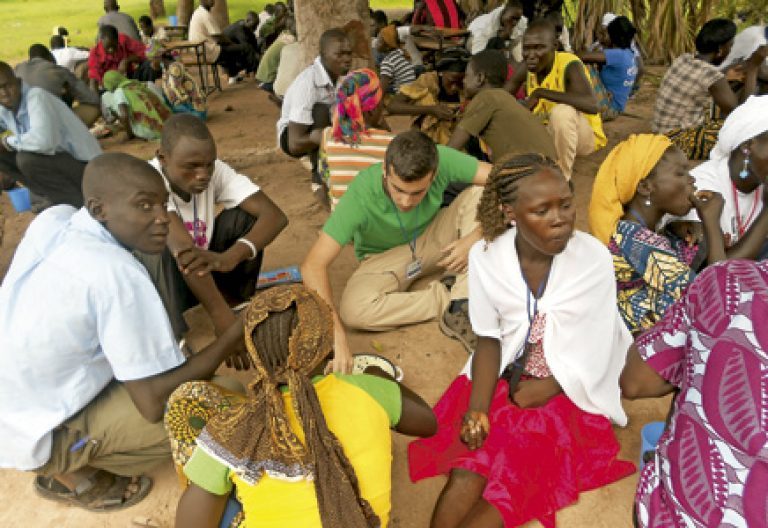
x,y
748,120
608,18
585,340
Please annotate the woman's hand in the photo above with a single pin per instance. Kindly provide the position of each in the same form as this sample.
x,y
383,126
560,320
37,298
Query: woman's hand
x,y
475,429
531,393
709,206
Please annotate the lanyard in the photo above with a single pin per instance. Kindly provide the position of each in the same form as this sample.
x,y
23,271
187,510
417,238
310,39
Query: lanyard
x,y
194,217
531,314
742,227
639,218
410,239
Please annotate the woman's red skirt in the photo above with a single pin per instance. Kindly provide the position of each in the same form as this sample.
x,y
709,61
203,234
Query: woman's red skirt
x,y
535,461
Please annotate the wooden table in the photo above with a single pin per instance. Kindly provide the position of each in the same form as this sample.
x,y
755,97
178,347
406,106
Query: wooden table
x,y
433,39
201,62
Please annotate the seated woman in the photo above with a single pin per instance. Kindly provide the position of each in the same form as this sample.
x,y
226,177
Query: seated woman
x,y
613,69
693,82
543,381
323,458
395,69
434,97
709,468
359,135
738,169
182,93
640,181
140,112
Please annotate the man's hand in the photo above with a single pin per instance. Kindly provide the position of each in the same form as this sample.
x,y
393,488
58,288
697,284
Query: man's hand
x,y
201,261
757,58
456,253
475,429
441,111
239,360
342,357
533,393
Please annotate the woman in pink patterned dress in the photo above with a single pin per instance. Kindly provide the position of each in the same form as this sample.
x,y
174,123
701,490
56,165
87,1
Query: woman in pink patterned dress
x,y
711,465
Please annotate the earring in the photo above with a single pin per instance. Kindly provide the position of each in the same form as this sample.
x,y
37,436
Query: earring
x,y
744,174
648,201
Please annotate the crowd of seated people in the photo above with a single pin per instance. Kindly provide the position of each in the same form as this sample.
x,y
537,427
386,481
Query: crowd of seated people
x,y
466,219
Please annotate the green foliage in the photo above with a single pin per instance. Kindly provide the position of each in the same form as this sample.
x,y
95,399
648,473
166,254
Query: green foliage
x,y
26,22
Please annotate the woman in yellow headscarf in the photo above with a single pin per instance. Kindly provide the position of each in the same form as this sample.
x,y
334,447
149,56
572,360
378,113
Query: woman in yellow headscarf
x,y
643,179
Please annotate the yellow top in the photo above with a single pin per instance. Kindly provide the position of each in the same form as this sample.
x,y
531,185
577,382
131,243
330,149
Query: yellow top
x,y
362,426
555,81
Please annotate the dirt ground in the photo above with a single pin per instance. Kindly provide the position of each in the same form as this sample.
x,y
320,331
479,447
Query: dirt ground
x,y
242,121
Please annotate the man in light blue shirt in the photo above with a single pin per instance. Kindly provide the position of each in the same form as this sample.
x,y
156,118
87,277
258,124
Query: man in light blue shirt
x,y
87,354
48,146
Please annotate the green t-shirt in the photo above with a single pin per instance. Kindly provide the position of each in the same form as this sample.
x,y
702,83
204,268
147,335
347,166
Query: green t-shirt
x,y
214,476
366,215
505,125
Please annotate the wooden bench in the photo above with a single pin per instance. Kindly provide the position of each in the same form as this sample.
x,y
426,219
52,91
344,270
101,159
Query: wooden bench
x,y
193,54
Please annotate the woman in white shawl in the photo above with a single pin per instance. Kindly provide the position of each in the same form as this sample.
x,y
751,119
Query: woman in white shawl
x,y
527,425
737,169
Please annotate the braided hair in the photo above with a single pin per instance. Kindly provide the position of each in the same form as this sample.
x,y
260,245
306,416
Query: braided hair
x,y
501,189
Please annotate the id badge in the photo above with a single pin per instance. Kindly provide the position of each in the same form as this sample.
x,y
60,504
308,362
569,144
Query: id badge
x,y
413,269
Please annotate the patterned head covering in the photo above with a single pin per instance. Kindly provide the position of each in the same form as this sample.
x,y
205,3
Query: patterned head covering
x,y
629,163
255,437
358,92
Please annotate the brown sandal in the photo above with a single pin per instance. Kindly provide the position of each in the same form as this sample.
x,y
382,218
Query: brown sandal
x,y
102,492
457,325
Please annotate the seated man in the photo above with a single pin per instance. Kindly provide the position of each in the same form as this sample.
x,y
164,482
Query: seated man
x,y
306,106
241,35
392,214
123,22
82,394
68,56
505,22
559,92
48,146
217,258
270,61
218,49
494,115
115,51
269,30
41,71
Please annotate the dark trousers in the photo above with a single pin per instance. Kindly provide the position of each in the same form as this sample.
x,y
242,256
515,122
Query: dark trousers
x,y
321,118
58,177
237,57
237,286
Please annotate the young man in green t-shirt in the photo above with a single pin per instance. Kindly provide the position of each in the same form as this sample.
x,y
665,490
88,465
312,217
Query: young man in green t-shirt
x,y
391,212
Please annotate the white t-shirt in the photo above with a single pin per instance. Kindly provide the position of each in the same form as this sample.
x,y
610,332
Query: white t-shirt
x,y
76,311
739,209
69,57
227,189
201,26
312,86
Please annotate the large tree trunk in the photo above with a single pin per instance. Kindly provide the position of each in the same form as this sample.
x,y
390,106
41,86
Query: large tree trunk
x,y
313,17
184,10
221,13
156,9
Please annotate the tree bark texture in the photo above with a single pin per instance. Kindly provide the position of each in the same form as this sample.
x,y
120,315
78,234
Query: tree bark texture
x,y
221,13
156,9
313,17
184,10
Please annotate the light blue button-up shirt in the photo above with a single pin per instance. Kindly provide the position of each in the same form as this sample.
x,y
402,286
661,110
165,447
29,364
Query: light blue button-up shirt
x,y
45,125
76,311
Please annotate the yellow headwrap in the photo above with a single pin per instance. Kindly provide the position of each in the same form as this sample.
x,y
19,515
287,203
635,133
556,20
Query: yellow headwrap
x,y
628,164
389,35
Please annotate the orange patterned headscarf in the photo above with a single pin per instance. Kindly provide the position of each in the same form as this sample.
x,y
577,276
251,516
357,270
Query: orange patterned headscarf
x,y
358,92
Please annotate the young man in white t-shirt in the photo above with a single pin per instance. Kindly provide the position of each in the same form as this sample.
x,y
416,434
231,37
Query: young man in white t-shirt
x,y
211,259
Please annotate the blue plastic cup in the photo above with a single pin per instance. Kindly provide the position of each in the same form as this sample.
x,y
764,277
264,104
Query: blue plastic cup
x,y
649,438
173,20
20,199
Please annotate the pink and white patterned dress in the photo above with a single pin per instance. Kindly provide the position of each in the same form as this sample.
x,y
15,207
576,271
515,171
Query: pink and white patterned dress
x,y
711,465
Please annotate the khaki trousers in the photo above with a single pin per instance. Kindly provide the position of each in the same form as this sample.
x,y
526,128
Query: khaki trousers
x,y
376,296
571,135
119,439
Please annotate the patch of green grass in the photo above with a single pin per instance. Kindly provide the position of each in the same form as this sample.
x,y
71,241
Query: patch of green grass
x,y
26,22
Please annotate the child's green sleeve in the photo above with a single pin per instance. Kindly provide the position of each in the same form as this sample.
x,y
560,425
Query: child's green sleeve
x,y
208,473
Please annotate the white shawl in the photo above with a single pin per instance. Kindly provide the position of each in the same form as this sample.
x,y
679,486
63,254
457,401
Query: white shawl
x,y
585,340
